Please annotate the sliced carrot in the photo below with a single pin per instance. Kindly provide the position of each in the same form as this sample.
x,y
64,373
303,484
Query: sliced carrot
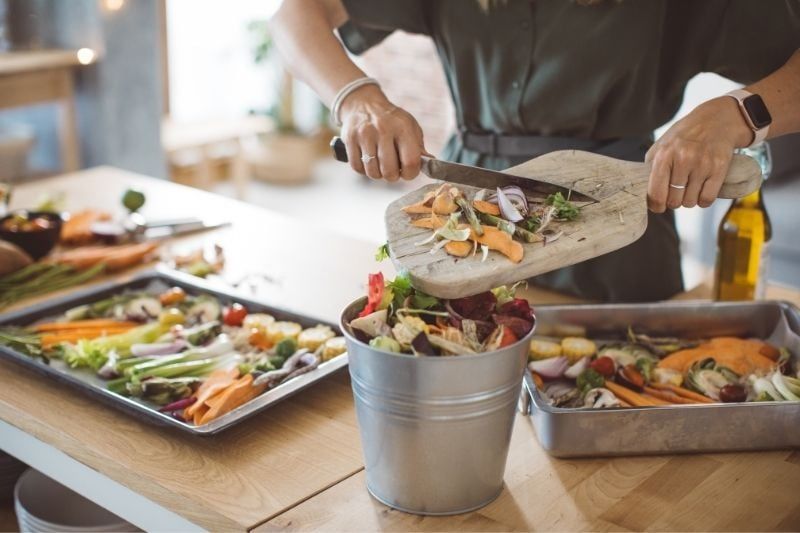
x,y
83,324
132,256
78,228
667,396
218,381
627,395
537,379
487,208
458,248
115,257
685,393
51,339
238,393
656,400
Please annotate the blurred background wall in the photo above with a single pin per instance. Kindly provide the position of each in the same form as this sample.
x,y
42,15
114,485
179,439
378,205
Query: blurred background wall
x,y
118,96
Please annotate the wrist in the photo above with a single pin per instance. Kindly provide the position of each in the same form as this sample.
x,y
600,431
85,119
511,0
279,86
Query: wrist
x,y
733,124
366,99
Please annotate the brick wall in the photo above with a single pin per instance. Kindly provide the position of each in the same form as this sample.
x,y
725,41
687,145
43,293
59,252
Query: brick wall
x,y
411,75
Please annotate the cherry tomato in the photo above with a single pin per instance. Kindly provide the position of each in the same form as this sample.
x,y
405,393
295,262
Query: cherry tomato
x,y
173,296
604,366
234,315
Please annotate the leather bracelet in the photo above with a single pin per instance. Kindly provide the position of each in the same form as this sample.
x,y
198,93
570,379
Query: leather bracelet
x,y
344,92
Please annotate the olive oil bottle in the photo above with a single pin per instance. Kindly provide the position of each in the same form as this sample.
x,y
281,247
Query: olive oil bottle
x,y
743,242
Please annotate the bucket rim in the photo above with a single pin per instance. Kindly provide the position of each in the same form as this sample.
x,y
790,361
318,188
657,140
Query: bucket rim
x,y
344,326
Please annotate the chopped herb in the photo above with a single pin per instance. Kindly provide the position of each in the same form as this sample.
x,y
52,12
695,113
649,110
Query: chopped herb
x,y
565,210
530,224
382,252
401,288
424,301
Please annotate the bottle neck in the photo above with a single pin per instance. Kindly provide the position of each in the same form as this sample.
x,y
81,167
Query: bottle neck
x,y
752,200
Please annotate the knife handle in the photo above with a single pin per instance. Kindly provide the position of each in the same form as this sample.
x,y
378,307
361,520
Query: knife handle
x,y
339,149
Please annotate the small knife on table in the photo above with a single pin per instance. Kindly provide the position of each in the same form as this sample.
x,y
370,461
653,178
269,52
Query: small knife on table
x,y
481,178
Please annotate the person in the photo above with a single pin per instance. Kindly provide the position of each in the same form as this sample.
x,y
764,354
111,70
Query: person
x,y
528,77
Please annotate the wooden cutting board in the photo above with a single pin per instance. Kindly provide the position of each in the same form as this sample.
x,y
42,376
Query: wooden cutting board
x,y
616,219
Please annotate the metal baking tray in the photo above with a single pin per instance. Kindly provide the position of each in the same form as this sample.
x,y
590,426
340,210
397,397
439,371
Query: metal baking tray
x,y
586,432
160,279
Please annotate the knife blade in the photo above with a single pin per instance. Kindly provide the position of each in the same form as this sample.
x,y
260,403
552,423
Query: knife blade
x,y
481,178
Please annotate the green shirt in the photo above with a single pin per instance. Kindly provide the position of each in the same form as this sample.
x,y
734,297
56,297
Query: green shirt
x,y
607,71
555,67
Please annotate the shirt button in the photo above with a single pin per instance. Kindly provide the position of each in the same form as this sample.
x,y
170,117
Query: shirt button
x,y
515,84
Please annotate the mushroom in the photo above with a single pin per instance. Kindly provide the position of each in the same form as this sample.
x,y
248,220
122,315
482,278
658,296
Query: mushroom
x,y
600,397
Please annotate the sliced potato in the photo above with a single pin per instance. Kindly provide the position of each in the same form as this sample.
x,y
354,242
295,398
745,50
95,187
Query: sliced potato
x,y
313,338
258,321
277,331
332,348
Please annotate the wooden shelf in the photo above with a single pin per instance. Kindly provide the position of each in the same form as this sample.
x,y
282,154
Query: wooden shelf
x,y
33,60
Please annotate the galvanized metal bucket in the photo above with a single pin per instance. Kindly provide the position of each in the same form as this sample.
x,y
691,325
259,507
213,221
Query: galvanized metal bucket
x,y
435,430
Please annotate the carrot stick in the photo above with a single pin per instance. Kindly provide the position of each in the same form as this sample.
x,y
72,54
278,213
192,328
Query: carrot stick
x,y
83,324
655,400
670,397
238,393
680,391
628,395
51,339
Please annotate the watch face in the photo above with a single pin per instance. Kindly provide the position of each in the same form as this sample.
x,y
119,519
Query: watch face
x,y
758,111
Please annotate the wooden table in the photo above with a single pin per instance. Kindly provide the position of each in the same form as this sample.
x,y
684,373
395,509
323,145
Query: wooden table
x,y
35,77
299,466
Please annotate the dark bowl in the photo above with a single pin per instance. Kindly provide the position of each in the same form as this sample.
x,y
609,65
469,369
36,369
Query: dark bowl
x,y
37,243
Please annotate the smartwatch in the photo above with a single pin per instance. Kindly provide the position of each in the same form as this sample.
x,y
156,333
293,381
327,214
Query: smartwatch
x,y
754,112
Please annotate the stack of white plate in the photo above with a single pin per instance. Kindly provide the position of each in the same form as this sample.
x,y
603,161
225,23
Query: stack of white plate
x,y
10,470
44,505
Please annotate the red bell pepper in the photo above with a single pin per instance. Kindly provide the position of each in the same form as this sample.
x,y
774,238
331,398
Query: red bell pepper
x,y
375,290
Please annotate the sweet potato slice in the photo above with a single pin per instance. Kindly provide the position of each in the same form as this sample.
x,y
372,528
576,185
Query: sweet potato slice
x,y
459,248
238,393
486,208
500,241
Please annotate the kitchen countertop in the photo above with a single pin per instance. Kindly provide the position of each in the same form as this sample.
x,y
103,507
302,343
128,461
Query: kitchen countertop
x,y
299,465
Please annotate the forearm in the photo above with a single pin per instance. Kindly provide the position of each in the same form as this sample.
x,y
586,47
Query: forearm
x,y
781,94
303,33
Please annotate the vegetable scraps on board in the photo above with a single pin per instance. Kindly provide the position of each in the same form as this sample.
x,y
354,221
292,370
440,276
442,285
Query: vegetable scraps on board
x,y
499,221
644,371
398,318
186,355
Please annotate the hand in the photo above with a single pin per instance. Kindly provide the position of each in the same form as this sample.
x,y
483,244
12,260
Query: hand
x,y
373,126
696,152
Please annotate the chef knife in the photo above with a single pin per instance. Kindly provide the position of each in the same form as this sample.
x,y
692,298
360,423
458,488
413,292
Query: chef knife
x,y
481,178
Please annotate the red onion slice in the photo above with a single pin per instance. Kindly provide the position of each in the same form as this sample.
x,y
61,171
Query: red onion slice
x,y
516,196
507,209
552,368
574,371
